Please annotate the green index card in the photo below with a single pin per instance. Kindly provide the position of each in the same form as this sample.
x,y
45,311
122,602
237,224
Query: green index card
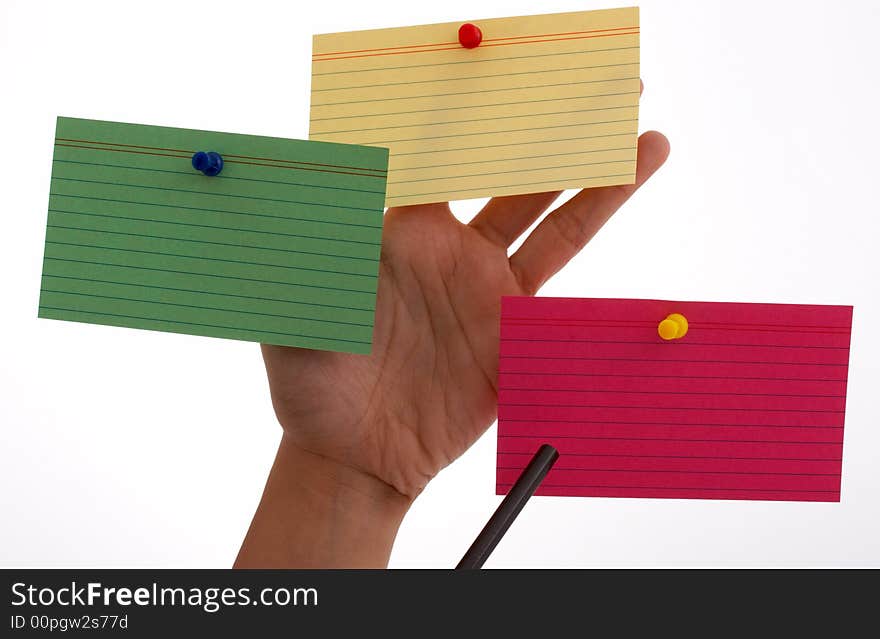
x,y
281,247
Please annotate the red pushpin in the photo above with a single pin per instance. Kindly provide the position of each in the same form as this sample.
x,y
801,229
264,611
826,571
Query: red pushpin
x,y
470,35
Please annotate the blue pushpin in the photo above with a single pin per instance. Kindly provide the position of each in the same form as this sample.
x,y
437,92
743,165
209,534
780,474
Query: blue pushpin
x,y
209,163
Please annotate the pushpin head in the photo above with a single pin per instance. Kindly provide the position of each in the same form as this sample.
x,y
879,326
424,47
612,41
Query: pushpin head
x,y
470,36
675,326
209,163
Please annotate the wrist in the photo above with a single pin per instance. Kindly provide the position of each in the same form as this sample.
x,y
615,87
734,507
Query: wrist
x,y
341,485
318,512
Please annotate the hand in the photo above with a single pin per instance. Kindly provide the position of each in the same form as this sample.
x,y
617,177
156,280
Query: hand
x,y
379,427
428,390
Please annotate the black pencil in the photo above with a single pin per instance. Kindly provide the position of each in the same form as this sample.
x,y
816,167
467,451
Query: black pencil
x,y
513,503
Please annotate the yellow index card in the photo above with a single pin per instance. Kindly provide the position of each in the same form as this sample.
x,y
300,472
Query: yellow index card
x,y
544,103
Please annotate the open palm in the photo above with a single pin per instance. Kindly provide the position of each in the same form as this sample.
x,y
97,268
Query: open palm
x,y
428,390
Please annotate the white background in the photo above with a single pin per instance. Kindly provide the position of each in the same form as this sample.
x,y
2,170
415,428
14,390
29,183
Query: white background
x,y
134,448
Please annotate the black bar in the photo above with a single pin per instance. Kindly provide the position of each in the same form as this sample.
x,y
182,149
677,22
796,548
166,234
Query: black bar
x,y
687,603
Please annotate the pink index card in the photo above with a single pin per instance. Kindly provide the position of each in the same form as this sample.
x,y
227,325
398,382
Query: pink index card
x,y
749,404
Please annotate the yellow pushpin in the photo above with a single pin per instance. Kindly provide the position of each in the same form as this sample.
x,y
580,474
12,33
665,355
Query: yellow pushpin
x,y
675,326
